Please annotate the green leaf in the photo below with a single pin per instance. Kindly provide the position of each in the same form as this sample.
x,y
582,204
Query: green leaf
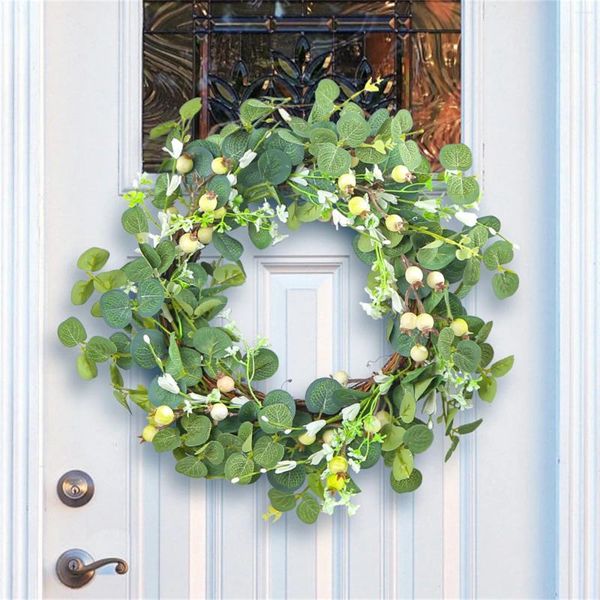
x,y
227,246
444,344
332,160
140,350
245,434
401,123
505,284
275,166
86,368
137,270
407,485
239,466
280,397
393,437
274,418
462,190
281,501
190,108
221,186
150,297
229,275
467,356
436,256
261,239
408,405
116,309
214,452
418,438
211,342
93,259
158,396
289,481
369,155
252,110
487,388
353,129
134,220
71,332
472,271
192,467
410,154
210,307
456,157
503,366
162,129
198,429
469,427
308,510
150,254
167,253
329,89
267,452
109,280
100,349
166,439
81,291
202,158
319,396
266,364
499,253
403,464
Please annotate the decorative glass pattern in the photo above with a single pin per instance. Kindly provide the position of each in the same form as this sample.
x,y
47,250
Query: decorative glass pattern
x,y
227,51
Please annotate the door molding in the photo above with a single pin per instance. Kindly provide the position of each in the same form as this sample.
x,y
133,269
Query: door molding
x,y
22,277
578,548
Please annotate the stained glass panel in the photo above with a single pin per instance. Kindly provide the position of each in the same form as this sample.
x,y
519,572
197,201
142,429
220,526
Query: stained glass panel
x,y
226,51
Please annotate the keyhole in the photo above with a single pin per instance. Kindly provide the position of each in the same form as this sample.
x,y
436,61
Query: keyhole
x,y
73,565
75,491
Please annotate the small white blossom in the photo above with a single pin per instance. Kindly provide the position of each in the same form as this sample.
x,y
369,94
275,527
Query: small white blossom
x,y
247,158
285,115
235,480
167,382
283,466
396,301
431,204
232,350
349,413
130,287
239,401
314,427
176,148
377,174
282,213
232,178
469,219
384,381
146,338
326,198
339,219
298,176
173,184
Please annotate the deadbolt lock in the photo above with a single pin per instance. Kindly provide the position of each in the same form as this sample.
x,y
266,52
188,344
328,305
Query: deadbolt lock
x,y
75,488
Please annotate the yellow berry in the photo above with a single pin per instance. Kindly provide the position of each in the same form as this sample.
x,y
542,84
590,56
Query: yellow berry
x,y
220,165
327,436
207,201
189,243
219,411
225,384
164,415
336,483
435,280
358,205
204,235
341,377
306,439
394,223
184,164
149,432
408,321
372,424
220,212
384,417
424,322
338,464
345,181
413,275
459,327
419,353
401,174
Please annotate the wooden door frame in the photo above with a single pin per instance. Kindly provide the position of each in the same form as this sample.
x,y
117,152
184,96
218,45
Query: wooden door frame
x,y
22,270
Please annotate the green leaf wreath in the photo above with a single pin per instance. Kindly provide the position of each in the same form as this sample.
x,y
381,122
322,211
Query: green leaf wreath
x,y
202,403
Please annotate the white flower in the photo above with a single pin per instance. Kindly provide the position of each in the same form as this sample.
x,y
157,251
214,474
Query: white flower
x,y
188,409
469,219
167,382
285,115
247,158
130,287
282,213
283,466
339,219
198,398
232,194
389,198
396,301
176,146
239,401
377,174
349,413
352,508
174,183
384,381
373,311
431,204
317,457
235,480
146,338
232,178
314,427
232,350
299,175
354,465
326,198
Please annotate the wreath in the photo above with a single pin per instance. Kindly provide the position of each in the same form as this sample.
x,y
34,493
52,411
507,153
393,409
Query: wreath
x,y
417,230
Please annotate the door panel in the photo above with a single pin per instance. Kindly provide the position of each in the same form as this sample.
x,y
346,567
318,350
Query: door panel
x,y
468,531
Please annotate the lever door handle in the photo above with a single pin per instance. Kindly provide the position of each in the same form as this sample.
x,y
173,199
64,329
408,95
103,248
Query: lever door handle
x,y
76,568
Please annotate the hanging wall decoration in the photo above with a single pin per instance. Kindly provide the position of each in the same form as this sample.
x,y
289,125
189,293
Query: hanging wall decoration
x,y
416,229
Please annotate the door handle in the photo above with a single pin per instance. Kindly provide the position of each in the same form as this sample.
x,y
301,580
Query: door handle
x,y
76,568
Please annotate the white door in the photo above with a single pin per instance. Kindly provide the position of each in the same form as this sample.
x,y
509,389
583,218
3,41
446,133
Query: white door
x,y
471,530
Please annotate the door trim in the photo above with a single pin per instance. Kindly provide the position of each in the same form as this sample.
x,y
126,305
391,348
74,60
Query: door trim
x,y
578,548
22,273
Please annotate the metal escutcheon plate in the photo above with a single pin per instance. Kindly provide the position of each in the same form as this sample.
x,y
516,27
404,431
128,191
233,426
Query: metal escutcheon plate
x,y
75,488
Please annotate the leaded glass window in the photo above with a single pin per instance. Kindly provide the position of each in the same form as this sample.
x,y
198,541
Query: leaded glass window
x,y
227,51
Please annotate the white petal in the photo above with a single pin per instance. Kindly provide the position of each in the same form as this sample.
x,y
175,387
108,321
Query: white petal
x,y
285,465
469,219
349,413
314,427
247,158
168,383
173,184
